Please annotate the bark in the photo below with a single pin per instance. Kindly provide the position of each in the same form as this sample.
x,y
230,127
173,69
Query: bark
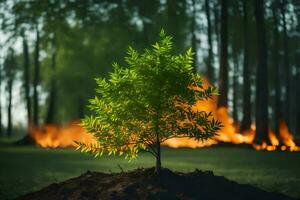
x,y
9,117
146,24
296,4
1,131
210,70
235,86
246,120
194,39
261,76
286,63
278,105
158,156
27,81
36,80
158,151
177,21
298,100
80,107
223,77
172,17
53,94
9,68
216,25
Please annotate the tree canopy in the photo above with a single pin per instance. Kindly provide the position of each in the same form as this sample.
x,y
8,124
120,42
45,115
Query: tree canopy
x,y
149,101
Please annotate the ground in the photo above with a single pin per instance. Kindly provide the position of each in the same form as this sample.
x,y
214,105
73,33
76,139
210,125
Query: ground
x,y
27,169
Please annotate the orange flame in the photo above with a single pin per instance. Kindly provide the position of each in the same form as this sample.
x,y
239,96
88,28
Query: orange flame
x,y
229,133
52,136
287,138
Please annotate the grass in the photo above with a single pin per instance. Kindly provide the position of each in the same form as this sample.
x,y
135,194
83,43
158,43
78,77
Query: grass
x,y
26,169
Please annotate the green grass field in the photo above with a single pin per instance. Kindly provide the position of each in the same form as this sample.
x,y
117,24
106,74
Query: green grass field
x,y
26,169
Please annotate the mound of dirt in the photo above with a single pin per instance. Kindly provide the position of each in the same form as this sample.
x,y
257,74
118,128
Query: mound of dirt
x,y
144,184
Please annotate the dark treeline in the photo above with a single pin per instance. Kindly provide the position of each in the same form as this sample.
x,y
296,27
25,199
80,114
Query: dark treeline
x,y
250,49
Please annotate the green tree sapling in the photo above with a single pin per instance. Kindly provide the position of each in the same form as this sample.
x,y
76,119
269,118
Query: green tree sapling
x,y
147,102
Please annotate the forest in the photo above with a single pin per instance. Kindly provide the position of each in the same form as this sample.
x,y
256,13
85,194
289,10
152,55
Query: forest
x,y
52,51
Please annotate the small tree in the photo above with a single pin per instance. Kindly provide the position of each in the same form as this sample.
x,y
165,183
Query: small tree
x,y
151,100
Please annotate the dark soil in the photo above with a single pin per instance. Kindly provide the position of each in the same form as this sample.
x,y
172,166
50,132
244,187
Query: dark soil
x,y
144,184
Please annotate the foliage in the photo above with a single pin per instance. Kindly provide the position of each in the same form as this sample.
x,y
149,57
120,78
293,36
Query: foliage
x,y
148,102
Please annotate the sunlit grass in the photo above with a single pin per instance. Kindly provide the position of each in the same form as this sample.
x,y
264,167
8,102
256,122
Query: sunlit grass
x,y
25,169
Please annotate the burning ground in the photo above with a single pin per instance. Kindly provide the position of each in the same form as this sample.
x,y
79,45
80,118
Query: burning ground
x,y
53,136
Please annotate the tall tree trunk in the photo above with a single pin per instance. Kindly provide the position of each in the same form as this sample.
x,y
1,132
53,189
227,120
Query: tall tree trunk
x,y
194,39
235,86
262,126
278,107
80,107
298,98
216,25
146,24
52,97
27,81
210,70
246,121
9,120
298,80
36,79
1,78
223,77
286,63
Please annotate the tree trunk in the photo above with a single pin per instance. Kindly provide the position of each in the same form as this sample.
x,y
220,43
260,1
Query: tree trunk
x,y
52,97
235,86
210,70
277,109
1,78
9,120
27,82
216,26
194,39
262,127
296,4
223,77
36,80
286,64
80,107
298,100
246,121
158,156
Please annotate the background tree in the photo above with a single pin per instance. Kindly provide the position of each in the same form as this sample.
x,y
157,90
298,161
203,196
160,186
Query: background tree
x,y
286,62
262,92
246,120
223,75
1,78
9,70
194,35
275,55
235,38
36,78
156,105
26,75
209,63
50,117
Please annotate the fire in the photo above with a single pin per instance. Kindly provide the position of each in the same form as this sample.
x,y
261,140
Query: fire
x,y
287,138
230,134
53,136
